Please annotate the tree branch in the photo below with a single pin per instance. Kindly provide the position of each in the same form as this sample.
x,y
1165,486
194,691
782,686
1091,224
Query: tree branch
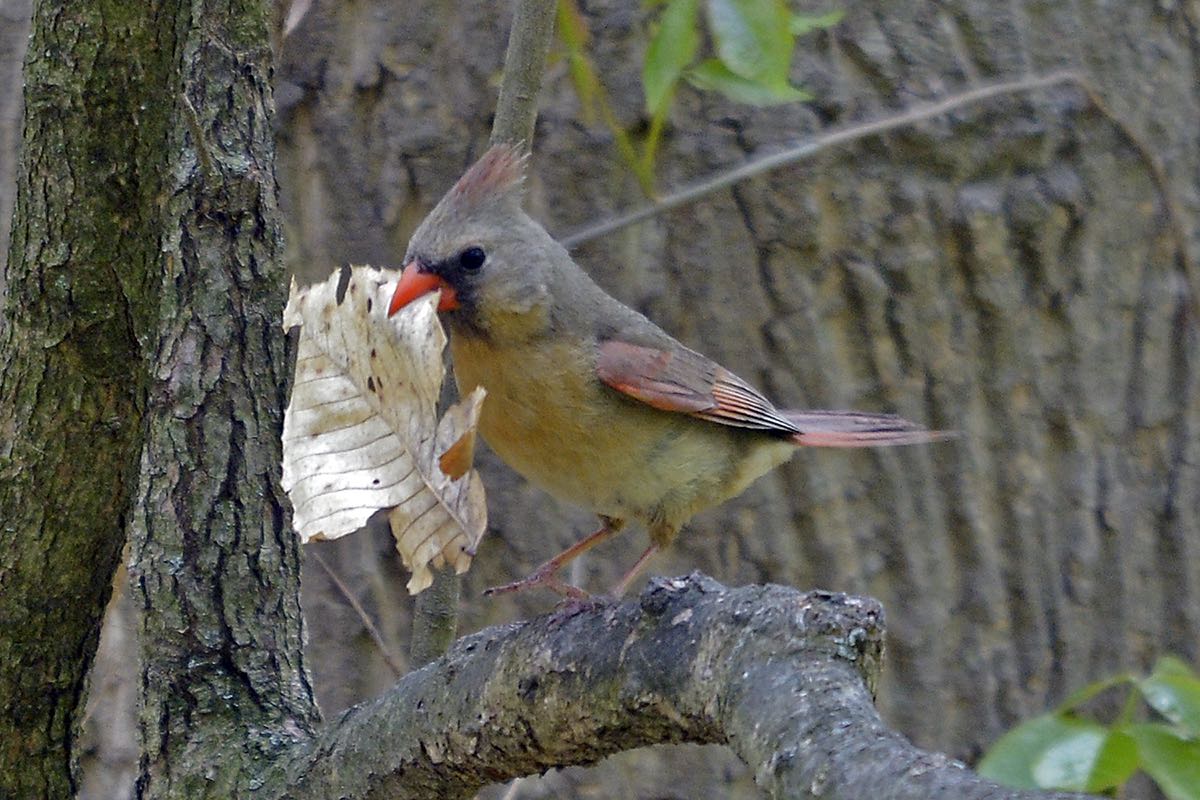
x,y
781,676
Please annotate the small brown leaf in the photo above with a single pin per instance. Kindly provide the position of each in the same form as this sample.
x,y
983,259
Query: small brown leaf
x,y
456,461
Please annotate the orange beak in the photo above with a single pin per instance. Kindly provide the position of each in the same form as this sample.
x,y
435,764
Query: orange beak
x,y
416,282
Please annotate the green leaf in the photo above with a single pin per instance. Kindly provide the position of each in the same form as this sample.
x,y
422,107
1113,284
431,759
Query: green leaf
x,y
671,50
1011,759
753,38
1118,760
1088,760
1068,762
1172,761
805,23
1173,690
572,30
715,76
1170,665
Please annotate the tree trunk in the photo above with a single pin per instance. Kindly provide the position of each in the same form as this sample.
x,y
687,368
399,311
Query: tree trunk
x,y
14,32
83,281
215,563
144,297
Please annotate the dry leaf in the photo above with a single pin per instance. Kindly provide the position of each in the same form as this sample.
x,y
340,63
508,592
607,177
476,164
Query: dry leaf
x,y
361,432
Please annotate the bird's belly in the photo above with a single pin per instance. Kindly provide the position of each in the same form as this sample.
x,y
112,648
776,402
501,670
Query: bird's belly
x,y
601,462
586,444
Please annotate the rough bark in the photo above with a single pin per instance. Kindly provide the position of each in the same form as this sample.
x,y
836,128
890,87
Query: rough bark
x,y
144,293
214,561
780,676
82,298
14,32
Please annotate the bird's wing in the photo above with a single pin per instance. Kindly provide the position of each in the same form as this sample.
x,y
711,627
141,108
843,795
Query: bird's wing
x,y
679,379
682,380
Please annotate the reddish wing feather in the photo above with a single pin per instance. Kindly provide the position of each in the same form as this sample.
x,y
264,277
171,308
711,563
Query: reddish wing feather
x,y
683,380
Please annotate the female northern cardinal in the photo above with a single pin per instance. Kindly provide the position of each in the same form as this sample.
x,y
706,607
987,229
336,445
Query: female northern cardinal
x,y
585,396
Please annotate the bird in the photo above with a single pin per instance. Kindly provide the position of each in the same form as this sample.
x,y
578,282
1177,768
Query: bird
x,y
586,397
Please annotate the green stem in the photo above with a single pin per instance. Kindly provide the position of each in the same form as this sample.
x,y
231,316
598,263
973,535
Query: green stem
x,y
435,613
436,610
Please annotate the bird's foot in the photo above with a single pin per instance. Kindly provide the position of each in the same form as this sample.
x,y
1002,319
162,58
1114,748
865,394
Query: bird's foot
x,y
546,576
570,607
543,576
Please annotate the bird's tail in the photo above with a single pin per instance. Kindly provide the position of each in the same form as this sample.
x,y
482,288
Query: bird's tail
x,y
858,429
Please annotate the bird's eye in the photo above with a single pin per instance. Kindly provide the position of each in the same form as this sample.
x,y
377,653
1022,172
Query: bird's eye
x,y
472,258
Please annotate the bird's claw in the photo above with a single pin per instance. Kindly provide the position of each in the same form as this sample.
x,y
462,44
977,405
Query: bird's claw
x,y
570,607
541,577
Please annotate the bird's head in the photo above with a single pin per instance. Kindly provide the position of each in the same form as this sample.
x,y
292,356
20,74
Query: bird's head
x,y
486,256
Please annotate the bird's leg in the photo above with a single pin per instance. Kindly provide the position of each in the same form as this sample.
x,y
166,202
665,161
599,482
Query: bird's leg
x,y
545,574
633,572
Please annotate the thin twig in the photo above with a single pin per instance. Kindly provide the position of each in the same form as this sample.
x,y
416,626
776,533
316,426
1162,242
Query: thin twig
x,y
435,617
810,147
524,64
362,614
